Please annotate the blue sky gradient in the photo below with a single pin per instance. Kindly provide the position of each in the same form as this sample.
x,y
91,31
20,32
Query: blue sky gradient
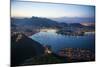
x,y
50,10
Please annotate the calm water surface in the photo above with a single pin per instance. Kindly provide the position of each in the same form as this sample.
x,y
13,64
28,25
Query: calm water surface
x,y
58,41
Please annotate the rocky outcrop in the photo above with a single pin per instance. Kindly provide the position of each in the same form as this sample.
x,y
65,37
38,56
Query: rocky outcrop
x,y
23,48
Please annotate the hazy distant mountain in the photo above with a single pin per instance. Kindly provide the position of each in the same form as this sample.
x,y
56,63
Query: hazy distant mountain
x,y
74,19
33,24
34,21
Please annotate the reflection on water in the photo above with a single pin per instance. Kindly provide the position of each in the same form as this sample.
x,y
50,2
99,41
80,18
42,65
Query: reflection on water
x,y
59,42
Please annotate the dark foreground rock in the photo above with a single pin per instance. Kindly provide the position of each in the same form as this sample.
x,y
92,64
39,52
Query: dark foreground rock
x,y
23,48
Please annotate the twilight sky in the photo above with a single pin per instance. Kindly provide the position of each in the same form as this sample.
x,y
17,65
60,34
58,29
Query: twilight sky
x,y
50,10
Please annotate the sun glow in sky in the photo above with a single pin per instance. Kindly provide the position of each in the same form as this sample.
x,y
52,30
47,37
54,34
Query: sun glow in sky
x,y
50,10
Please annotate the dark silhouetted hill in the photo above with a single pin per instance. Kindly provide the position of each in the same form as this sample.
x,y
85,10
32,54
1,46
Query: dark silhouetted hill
x,y
23,48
